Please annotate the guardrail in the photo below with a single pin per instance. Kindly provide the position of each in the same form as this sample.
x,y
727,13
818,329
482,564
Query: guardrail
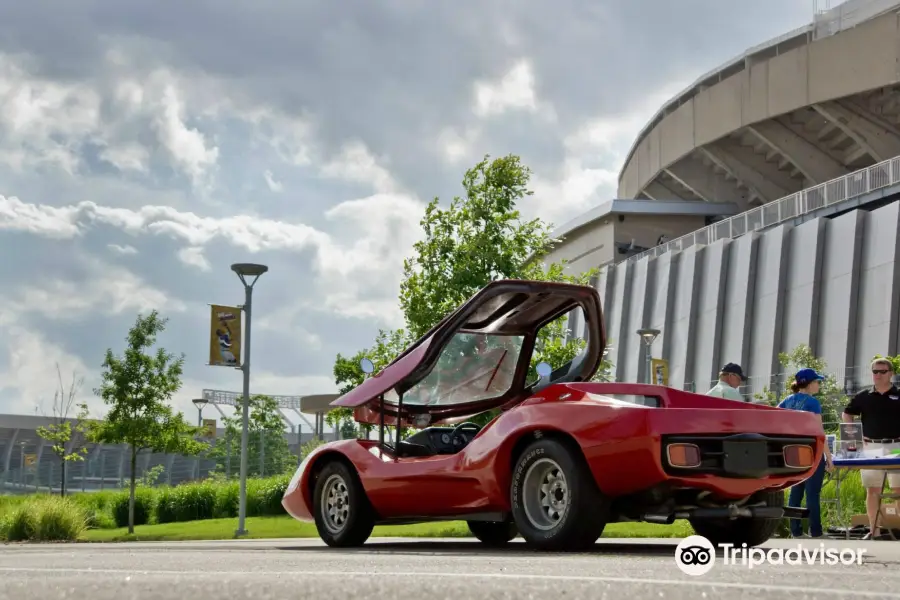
x,y
852,185
849,14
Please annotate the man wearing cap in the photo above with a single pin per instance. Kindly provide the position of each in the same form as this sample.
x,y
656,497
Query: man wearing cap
x,y
730,378
878,410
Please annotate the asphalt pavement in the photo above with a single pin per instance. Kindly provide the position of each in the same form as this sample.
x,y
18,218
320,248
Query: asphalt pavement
x,y
424,569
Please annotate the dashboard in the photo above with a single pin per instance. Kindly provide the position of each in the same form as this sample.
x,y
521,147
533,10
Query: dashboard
x,y
441,440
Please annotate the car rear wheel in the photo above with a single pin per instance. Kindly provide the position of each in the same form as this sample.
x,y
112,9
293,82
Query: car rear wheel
x,y
752,532
342,511
556,503
493,533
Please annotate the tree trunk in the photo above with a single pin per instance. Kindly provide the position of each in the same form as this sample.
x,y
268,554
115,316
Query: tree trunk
x,y
62,483
131,494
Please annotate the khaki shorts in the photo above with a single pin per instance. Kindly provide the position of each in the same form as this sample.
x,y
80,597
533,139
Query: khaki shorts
x,y
875,479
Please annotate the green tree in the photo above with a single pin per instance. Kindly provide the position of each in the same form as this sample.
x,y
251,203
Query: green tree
x,y
138,388
68,436
479,238
831,395
268,452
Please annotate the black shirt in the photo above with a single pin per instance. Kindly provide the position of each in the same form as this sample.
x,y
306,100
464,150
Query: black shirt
x,y
879,413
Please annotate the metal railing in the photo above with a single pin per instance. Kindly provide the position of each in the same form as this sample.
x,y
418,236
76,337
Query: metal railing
x,y
235,399
849,14
852,185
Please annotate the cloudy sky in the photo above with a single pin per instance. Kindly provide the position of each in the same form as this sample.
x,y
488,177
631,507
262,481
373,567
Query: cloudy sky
x,y
145,147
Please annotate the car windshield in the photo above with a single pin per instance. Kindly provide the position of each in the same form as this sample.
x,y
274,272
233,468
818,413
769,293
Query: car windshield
x,y
472,367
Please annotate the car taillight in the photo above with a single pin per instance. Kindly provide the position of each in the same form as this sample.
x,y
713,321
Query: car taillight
x,y
683,455
798,456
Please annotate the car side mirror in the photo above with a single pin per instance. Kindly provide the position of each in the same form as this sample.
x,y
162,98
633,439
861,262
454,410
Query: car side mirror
x,y
543,369
366,365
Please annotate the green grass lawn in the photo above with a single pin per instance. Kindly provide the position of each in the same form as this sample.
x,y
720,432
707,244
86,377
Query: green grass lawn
x,y
286,527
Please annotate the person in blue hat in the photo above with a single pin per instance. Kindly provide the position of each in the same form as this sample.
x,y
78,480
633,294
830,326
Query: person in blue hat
x,y
804,387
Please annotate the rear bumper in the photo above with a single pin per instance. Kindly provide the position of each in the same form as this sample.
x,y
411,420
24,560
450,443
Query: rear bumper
x,y
628,456
738,455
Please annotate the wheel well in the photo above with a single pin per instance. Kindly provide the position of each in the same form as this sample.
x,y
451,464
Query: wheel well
x,y
319,464
535,434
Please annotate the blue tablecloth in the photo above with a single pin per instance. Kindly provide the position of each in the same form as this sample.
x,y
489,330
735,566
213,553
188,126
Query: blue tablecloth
x,y
882,462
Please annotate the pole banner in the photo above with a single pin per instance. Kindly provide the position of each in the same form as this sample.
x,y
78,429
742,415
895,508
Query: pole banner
x,y
225,336
660,369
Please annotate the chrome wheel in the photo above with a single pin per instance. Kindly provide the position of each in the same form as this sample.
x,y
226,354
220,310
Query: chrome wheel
x,y
546,494
335,503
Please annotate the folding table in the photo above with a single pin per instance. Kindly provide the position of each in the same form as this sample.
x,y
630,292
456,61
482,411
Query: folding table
x,y
843,466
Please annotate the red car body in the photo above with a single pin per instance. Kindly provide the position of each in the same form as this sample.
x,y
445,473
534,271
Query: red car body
x,y
617,434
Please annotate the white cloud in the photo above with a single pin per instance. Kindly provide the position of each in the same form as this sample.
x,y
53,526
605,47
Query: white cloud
x,y
39,219
111,289
30,372
274,186
127,156
594,154
119,249
514,91
356,163
359,267
455,146
51,122
193,256
187,146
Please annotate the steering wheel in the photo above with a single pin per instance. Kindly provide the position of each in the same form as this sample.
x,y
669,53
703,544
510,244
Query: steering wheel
x,y
455,436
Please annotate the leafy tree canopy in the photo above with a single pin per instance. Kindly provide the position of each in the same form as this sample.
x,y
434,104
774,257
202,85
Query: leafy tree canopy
x,y
480,237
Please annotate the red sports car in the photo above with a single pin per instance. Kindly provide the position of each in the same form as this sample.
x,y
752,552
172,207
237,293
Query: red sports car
x,y
564,456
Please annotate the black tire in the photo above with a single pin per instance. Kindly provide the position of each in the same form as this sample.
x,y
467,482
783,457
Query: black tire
x,y
583,509
493,533
752,532
350,520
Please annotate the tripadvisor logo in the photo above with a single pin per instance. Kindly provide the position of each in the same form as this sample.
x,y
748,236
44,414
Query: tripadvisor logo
x,y
696,555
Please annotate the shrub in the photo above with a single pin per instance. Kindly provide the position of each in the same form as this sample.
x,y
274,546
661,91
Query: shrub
x,y
227,499
264,496
143,506
186,502
18,523
44,519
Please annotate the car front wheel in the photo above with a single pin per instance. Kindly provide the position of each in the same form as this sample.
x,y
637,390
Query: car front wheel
x,y
342,511
556,503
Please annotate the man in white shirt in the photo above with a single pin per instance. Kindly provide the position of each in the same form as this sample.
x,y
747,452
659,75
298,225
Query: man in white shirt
x,y
730,378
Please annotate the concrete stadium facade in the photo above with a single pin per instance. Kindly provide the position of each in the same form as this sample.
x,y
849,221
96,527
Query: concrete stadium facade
x,y
798,144
791,113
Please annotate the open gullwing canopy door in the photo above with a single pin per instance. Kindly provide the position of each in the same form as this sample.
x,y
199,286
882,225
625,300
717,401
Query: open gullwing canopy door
x,y
477,358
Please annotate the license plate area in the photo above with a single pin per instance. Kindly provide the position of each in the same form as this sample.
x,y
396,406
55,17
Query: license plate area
x,y
745,458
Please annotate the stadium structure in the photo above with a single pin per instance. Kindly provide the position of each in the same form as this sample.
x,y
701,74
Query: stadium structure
x,y
758,211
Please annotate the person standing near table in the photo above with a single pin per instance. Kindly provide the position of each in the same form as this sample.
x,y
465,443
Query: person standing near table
x,y
804,388
878,410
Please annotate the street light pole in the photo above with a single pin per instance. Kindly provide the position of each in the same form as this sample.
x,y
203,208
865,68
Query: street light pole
x,y
648,336
243,271
199,403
